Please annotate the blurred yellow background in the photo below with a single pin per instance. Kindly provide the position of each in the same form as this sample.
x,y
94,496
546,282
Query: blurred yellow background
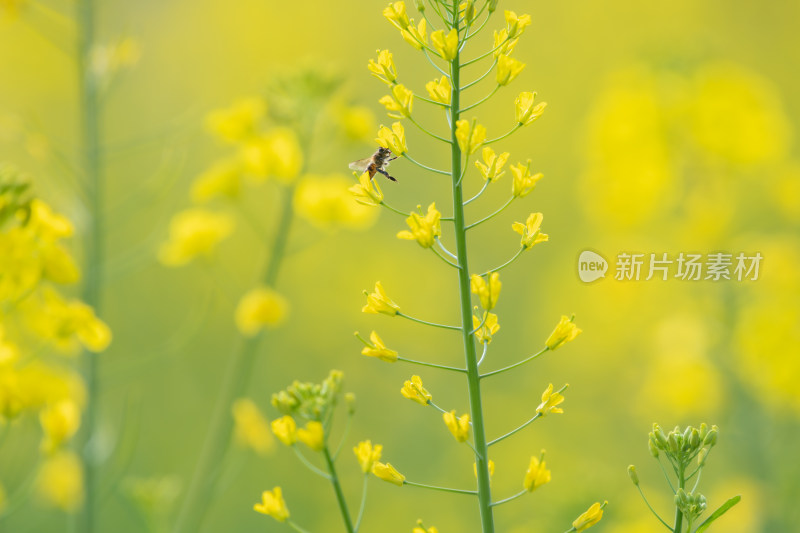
x,y
669,128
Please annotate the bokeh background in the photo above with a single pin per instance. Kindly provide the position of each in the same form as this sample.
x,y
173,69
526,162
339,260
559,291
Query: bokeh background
x,y
669,128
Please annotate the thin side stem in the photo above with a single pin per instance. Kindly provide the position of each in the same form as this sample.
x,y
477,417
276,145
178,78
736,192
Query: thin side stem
x,y
482,100
445,250
443,258
425,167
520,428
512,130
651,508
493,50
481,77
501,267
425,322
432,365
394,210
363,504
483,355
478,195
510,498
481,221
309,465
515,365
441,489
414,122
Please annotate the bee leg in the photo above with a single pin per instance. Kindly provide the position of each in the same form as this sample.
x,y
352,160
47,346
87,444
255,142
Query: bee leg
x,y
392,158
385,174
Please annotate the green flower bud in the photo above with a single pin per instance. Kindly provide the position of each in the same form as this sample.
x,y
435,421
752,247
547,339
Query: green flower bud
x,y
703,431
702,456
661,439
711,438
420,5
694,438
633,475
651,443
350,401
492,5
675,442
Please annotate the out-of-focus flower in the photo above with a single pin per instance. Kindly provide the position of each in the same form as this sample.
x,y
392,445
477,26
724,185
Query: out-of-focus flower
x,y
415,391
530,231
379,349
367,454
550,401
238,122
446,45
470,136
525,111
379,302
59,481
523,182
286,157
106,60
223,179
564,332
67,324
326,202
260,308
488,292
388,473
537,474
312,435
251,428
394,139
357,122
424,229
508,68
399,103
458,426
59,422
419,528
492,167
272,504
194,233
440,90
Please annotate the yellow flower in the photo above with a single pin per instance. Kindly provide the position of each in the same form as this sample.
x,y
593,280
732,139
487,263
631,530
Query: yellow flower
x,y
425,229
222,179
537,474
508,68
59,422
503,46
421,529
378,302
469,136
589,518
491,168
379,349
384,69
399,103
394,139
193,233
46,224
416,36
388,473
272,504
491,468
550,400
260,308
413,390
285,429
285,155
564,332
487,292
525,110
313,435
237,122
530,231
459,427
367,191
367,454
326,202
440,90
516,25
357,122
59,481
446,45
396,14
485,332
523,182
251,428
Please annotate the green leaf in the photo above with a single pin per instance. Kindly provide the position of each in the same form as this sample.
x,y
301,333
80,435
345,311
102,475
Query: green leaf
x,y
716,514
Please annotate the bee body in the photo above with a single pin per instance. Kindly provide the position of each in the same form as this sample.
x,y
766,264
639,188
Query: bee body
x,y
375,164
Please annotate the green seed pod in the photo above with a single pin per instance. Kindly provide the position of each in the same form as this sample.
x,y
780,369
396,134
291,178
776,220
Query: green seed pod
x,y
633,475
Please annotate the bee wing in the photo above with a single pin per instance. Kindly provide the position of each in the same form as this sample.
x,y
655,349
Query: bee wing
x,y
360,165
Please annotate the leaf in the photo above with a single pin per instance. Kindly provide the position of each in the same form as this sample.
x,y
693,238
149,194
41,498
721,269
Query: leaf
x,y
716,514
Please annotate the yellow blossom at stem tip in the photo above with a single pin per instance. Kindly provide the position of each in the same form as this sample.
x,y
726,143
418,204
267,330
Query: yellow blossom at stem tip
x,y
523,182
508,68
492,167
367,191
537,474
419,528
488,327
525,110
250,427
238,122
193,233
394,139
399,103
285,429
446,45
223,179
384,69
313,435
59,423
59,481
416,36
388,473
378,349
592,516
396,14
458,426
550,400
367,454
503,46
424,229
515,25
379,302
487,292
530,231
413,390
565,331
440,90
470,136
272,504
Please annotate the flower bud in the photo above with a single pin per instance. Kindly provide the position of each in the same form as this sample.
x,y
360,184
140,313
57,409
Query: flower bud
x,y
694,438
651,443
711,438
633,475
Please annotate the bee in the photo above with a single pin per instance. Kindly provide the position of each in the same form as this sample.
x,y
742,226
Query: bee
x,y
376,163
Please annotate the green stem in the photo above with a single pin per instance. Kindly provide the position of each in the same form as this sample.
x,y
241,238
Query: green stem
x,y
92,162
417,124
432,365
520,428
363,505
470,354
509,132
482,100
442,489
443,258
337,488
501,267
425,167
678,514
480,78
510,498
426,323
478,195
309,465
515,365
489,217
394,210
236,378
651,508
